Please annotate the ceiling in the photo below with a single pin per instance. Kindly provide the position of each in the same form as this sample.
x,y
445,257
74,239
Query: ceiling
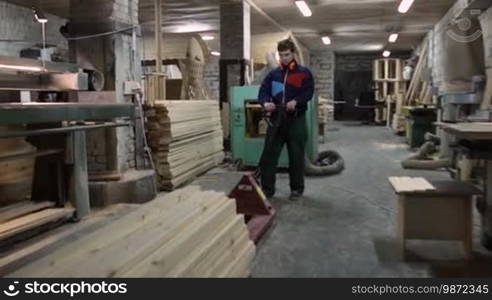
x,y
354,25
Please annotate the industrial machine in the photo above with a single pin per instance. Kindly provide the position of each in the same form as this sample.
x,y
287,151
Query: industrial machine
x,y
464,137
248,128
37,110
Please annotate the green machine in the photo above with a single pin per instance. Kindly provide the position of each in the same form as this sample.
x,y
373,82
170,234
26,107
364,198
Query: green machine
x,y
248,128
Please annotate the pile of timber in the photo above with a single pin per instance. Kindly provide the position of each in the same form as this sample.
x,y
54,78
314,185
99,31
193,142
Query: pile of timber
x,y
186,139
186,233
24,219
419,91
325,111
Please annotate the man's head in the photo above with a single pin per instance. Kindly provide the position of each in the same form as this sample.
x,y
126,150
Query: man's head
x,y
286,50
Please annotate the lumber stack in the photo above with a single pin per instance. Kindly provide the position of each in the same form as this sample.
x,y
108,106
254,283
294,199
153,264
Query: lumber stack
x,y
419,91
410,184
186,233
16,175
185,138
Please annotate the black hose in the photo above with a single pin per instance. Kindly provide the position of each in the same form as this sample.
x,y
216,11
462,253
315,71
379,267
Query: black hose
x,y
328,163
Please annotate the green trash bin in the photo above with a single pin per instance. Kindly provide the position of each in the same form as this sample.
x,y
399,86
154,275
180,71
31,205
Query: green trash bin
x,y
420,121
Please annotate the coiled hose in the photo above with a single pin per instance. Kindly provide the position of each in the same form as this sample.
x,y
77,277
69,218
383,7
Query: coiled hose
x,y
328,163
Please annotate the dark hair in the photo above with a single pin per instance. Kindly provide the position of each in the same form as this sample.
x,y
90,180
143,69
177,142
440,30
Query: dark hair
x,y
286,45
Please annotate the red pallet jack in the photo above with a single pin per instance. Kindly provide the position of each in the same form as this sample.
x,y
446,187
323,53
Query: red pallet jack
x,y
251,202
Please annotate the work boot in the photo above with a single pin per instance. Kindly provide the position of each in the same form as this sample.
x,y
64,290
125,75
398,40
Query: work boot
x,y
295,195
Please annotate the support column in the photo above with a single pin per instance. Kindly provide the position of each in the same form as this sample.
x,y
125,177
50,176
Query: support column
x,y
235,47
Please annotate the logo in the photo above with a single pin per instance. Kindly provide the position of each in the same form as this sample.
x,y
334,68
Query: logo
x,y
11,290
461,25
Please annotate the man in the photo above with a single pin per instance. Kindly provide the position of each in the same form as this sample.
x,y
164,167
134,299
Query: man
x,y
284,95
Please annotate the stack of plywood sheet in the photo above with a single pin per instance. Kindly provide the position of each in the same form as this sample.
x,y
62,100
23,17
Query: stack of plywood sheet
x,y
186,233
185,138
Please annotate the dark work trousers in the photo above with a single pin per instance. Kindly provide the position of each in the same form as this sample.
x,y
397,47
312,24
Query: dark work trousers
x,y
287,129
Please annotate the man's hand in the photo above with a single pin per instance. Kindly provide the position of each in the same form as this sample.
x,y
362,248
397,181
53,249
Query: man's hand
x,y
291,105
269,106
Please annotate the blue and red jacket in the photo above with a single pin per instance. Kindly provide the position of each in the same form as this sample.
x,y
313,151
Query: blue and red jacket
x,y
293,80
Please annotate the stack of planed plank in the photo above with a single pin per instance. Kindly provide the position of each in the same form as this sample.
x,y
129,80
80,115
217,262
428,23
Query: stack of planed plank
x,y
186,139
186,233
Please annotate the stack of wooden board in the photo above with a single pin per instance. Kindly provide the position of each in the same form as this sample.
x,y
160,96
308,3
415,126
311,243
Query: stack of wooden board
x,y
410,184
23,219
186,233
185,138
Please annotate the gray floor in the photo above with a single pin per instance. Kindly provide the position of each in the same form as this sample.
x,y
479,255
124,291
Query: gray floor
x,y
345,224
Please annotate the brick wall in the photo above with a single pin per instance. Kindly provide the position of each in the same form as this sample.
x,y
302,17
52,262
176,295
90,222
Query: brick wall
x,y
323,68
19,30
212,76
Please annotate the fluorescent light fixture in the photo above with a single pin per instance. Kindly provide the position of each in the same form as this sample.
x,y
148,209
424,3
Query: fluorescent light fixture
x,y
386,53
21,68
208,37
304,8
39,16
405,6
326,40
393,37
215,53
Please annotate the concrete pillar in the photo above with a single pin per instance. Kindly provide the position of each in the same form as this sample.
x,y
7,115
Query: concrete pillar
x,y
235,47
118,58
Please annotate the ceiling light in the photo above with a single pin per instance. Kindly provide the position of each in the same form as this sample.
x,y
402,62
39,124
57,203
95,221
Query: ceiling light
x,y
386,53
208,37
393,37
21,68
39,16
304,8
215,53
326,40
405,6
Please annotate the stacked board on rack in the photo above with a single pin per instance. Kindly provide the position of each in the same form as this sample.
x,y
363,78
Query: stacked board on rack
x,y
185,138
186,233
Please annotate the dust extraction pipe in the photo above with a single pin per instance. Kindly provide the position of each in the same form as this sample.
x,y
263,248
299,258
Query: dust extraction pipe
x,y
328,163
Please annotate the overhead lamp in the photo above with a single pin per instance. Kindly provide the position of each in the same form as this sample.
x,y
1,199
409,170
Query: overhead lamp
x,y
386,53
208,37
326,40
39,16
21,68
393,37
405,6
215,53
304,8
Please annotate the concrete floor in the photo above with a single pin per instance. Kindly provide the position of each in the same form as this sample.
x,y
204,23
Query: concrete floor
x,y
345,225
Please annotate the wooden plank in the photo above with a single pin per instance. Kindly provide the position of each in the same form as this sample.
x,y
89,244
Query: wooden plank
x,y
23,253
23,208
31,221
240,266
169,256
200,260
111,233
113,259
222,261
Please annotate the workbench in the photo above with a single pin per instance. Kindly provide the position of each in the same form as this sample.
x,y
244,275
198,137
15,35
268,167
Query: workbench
x,y
475,139
46,119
